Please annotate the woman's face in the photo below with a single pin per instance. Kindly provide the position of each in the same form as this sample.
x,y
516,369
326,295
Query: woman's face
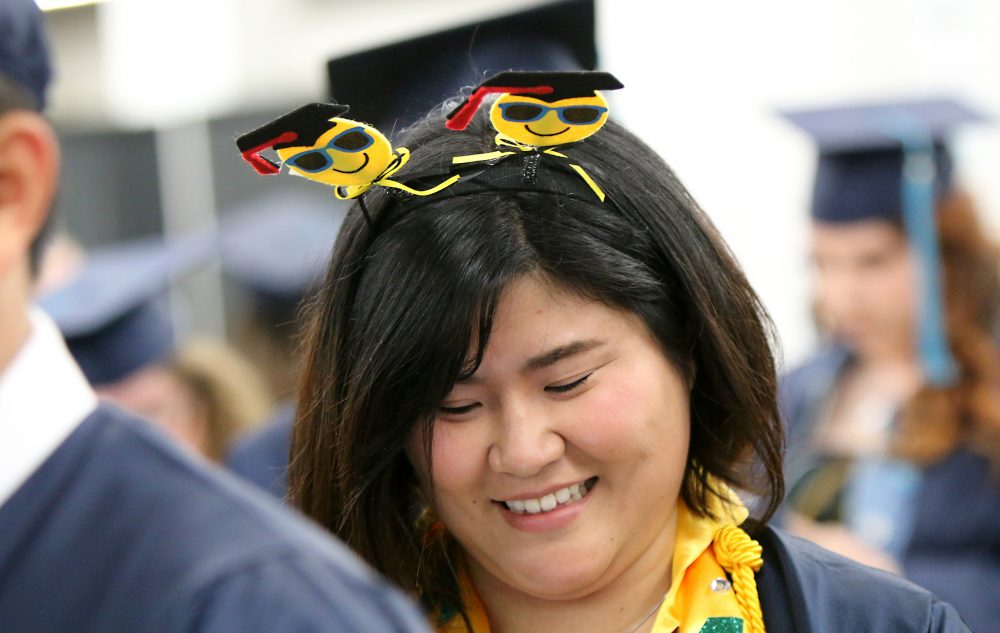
x,y
558,464
865,284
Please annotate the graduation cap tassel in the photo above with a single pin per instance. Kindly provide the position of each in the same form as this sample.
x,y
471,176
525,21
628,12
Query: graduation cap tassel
x,y
262,165
918,209
918,187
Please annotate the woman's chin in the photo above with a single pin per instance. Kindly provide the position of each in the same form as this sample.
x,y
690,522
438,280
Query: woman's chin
x,y
562,579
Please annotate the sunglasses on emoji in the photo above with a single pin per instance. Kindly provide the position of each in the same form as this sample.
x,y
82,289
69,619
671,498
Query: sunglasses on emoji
x,y
315,160
519,112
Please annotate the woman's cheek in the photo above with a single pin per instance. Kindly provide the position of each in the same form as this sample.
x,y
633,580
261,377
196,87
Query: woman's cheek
x,y
606,422
459,453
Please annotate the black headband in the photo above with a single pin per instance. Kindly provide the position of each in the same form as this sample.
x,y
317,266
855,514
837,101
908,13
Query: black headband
x,y
520,172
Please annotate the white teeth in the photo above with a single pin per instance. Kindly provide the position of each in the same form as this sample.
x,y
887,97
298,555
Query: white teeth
x,y
550,501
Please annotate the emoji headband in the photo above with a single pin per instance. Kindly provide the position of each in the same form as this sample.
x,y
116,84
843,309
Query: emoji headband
x,y
316,143
535,112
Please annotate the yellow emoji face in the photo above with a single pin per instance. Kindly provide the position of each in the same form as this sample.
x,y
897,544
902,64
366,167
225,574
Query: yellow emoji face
x,y
349,153
541,123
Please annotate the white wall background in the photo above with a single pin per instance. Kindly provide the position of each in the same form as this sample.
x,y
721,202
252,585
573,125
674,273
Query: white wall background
x,y
703,79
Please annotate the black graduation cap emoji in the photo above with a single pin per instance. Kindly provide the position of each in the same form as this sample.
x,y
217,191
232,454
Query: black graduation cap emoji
x,y
315,142
301,127
541,109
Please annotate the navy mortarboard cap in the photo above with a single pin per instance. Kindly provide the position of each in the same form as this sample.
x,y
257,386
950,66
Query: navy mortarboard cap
x,y
861,148
278,245
383,87
113,313
24,55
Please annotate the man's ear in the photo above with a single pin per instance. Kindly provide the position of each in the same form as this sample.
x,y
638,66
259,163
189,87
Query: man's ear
x,y
29,176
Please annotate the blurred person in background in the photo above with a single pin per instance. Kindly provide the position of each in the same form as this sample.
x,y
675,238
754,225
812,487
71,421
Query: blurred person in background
x,y
104,526
275,249
217,397
894,426
111,308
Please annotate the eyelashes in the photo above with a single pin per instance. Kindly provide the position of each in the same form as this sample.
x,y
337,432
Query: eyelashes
x,y
570,386
558,389
468,408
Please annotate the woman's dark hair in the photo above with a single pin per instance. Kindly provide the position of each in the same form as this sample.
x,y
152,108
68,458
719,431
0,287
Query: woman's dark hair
x,y
391,328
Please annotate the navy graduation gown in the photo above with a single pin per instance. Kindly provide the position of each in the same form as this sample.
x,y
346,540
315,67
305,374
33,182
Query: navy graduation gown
x,y
262,457
954,547
120,531
806,589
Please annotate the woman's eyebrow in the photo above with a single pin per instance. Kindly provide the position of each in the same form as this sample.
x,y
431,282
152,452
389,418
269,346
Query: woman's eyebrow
x,y
559,353
545,359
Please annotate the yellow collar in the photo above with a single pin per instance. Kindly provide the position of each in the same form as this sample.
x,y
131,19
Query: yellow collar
x,y
695,535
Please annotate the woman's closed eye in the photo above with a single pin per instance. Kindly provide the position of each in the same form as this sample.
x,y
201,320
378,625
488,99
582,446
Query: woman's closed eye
x,y
569,386
459,410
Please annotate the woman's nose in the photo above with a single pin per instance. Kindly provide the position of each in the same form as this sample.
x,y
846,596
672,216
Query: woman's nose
x,y
526,441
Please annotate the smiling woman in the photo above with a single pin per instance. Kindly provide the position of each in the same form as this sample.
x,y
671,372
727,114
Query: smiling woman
x,y
531,407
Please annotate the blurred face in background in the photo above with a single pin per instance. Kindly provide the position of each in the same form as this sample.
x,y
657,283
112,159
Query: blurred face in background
x,y
161,397
865,285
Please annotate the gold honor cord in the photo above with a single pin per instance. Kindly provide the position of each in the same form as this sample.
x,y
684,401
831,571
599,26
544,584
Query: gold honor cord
x,y
740,555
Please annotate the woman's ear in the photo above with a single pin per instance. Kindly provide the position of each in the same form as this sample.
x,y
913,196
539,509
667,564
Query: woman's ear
x,y
29,176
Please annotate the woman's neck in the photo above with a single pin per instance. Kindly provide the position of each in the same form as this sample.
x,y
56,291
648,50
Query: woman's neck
x,y
612,606
891,350
896,376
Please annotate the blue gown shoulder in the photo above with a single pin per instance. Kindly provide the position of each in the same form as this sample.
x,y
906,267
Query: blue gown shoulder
x,y
804,588
120,531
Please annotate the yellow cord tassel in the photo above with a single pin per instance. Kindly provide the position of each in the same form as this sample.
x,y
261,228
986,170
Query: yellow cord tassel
x,y
740,555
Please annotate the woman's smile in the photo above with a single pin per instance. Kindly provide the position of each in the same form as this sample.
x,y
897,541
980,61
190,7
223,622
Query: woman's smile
x,y
544,502
551,511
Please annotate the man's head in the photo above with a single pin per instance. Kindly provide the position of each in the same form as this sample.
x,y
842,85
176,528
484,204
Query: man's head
x,y
29,161
24,73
